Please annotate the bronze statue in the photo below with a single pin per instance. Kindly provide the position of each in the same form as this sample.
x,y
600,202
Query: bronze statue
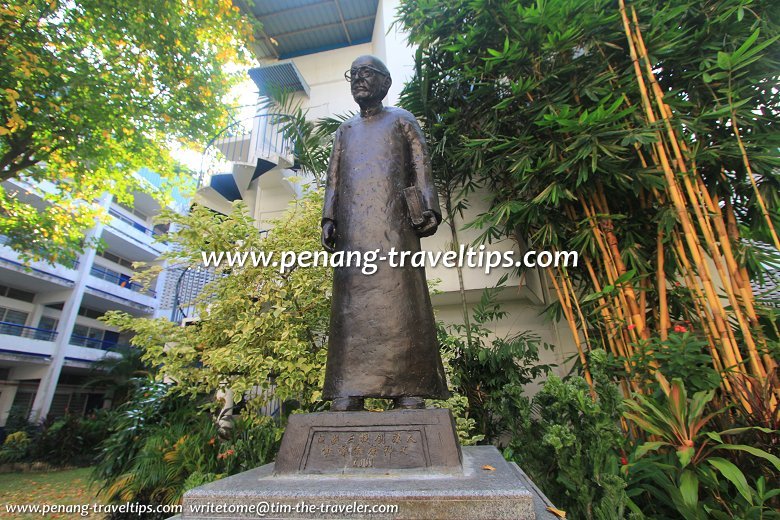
x,y
382,332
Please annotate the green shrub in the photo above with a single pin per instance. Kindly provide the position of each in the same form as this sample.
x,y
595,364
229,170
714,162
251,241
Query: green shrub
x,y
18,421
164,444
492,371
683,355
71,440
67,441
14,448
689,471
571,447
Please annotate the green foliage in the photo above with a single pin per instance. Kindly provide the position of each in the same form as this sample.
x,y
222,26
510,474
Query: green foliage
x,y
164,444
538,104
759,408
71,440
92,91
14,448
18,420
683,355
150,406
681,474
258,326
67,441
490,372
465,424
117,374
571,445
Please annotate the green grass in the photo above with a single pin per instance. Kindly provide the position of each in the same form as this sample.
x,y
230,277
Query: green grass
x,y
54,487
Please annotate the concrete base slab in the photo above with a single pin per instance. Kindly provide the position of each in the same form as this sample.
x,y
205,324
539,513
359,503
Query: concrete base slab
x,y
479,492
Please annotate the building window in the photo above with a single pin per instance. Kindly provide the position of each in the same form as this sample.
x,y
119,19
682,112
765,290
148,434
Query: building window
x,y
92,337
23,401
74,403
16,294
12,321
90,313
48,323
111,257
134,212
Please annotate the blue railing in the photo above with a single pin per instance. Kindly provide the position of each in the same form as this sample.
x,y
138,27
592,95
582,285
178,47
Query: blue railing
x,y
127,220
115,296
84,341
14,329
35,270
120,280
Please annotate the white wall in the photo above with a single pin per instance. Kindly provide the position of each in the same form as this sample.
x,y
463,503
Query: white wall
x,y
324,73
390,45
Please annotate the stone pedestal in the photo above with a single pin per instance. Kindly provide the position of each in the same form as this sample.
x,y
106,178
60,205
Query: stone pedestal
x,y
404,464
360,443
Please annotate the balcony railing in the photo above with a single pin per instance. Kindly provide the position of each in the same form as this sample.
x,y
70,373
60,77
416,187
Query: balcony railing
x,y
130,222
259,137
120,280
84,341
74,264
14,329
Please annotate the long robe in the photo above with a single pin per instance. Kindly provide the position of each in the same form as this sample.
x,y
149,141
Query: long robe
x,y
382,332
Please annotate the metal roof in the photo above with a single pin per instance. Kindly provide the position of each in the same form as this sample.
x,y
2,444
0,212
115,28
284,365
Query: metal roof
x,y
767,292
299,27
279,76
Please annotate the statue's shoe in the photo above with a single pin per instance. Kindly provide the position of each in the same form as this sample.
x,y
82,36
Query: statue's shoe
x,y
408,403
347,404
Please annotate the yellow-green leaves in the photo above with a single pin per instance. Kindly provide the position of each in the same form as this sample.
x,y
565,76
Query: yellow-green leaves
x,y
257,327
92,91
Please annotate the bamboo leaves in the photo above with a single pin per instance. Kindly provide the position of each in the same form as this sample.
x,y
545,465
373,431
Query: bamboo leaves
x,y
634,132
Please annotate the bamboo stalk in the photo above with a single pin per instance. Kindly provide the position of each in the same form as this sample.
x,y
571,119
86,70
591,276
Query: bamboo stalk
x,y
704,316
663,306
733,234
704,224
730,349
614,337
637,318
566,306
740,284
568,289
610,269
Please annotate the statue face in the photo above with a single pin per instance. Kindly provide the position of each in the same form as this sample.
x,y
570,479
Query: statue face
x,y
367,83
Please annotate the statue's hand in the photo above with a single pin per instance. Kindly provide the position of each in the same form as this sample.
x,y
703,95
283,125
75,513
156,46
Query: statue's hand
x,y
329,236
429,226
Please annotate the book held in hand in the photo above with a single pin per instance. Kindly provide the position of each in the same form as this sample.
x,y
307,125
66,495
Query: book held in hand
x,y
415,204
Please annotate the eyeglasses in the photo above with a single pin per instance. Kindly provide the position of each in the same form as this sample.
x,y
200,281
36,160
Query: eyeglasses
x,y
364,72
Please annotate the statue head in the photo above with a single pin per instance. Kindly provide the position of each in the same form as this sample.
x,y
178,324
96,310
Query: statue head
x,y
369,80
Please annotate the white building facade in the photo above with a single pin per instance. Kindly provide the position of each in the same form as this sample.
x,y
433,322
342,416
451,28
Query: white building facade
x,y
50,337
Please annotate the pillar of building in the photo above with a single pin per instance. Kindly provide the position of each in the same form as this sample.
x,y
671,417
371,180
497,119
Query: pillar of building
x,y
7,395
35,315
159,289
70,310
